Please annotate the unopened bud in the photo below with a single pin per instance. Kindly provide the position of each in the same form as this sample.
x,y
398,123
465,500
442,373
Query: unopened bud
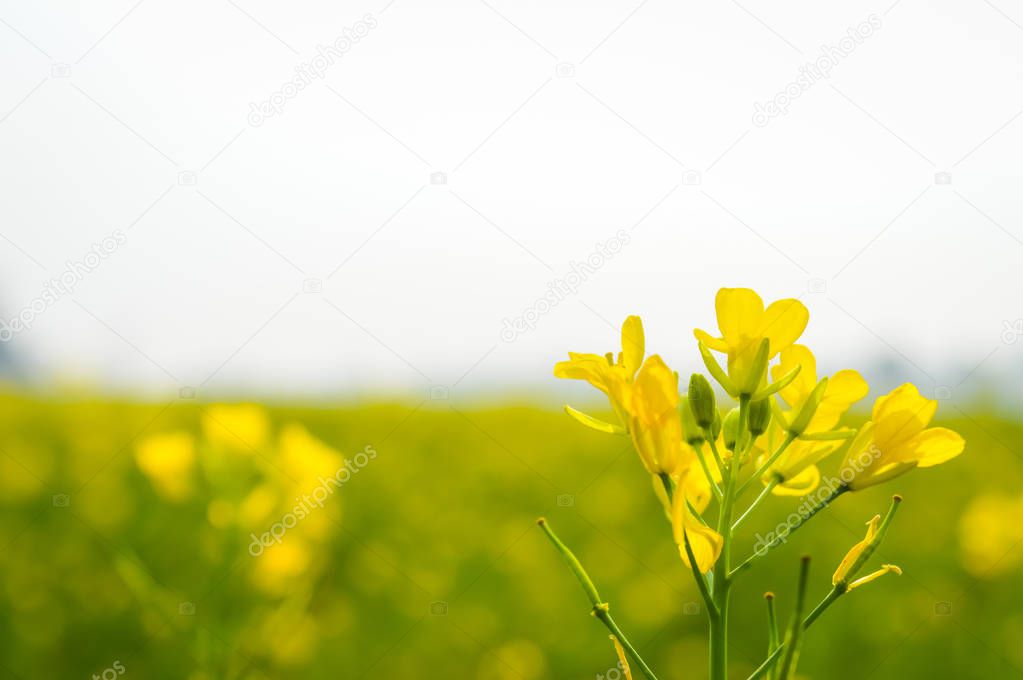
x,y
730,429
759,416
692,433
701,400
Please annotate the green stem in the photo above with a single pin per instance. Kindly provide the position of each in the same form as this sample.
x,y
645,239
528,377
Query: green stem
x,y
764,668
794,636
773,639
769,462
600,609
718,460
789,530
722,582
757,501
706,471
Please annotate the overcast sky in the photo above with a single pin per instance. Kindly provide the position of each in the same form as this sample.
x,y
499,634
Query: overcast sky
x,y
361,197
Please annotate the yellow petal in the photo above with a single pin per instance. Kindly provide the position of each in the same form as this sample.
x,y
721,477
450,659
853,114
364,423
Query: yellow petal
x,y
706,543
901,415
633,345
594,423
783,322
846,386
796,392
800,485
885,568
622,661
740,314
716,344
931,447
655,392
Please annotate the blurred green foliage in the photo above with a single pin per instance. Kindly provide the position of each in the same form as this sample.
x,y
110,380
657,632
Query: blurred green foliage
x,y
426,562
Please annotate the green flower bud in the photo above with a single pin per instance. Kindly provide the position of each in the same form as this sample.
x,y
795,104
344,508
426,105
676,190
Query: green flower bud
x,y
759,416
701,400
730,428
692,433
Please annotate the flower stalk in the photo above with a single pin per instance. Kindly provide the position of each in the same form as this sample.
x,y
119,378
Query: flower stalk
x,y
787,423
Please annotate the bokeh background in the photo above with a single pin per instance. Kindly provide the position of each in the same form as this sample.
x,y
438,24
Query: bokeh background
x,y
243,243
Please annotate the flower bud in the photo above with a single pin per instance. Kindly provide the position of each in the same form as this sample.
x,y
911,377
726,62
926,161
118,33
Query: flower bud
x,y
715,427
730,429
692,433
701,400
759,416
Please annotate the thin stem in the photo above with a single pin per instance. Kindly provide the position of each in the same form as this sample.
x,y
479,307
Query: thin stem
x,y
706,471
789,530
701,582
600,609
793,637
772,658
605,617
773,639
718,460
769,462
757,501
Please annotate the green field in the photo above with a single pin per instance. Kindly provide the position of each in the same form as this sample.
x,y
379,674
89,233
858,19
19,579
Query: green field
x,y
426,561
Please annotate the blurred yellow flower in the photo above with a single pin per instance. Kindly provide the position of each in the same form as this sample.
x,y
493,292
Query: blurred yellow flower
x,y
988,530
844,388
897,440
306,459
842,573
168,460
236,427
603,372
744,322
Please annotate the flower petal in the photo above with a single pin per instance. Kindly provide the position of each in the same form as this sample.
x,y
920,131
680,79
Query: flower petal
x,y
633,345
799,389
594,423
622,661
931,447
783,322
716,344
740,314
901,415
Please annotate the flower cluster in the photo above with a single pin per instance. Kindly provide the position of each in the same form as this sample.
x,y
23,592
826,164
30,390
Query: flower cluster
x,y
786,421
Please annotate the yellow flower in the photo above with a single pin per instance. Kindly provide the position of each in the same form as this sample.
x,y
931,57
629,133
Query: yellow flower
x,y
844,388
897,440
168,460
704,541
242,427
603,372
654,423
744,323
849,561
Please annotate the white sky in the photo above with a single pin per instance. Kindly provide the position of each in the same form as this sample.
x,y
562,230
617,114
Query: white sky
x,y
103,105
